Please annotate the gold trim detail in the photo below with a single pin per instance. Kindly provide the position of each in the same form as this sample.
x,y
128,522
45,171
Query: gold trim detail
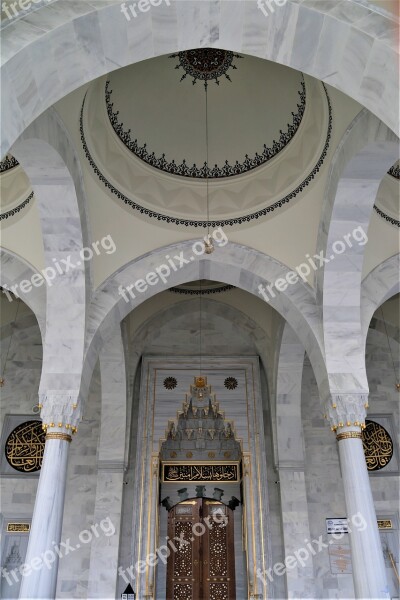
x,y
59,436
349,434
18,527
385,524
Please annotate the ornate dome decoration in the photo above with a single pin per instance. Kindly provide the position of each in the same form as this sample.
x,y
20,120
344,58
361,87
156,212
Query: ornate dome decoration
x,y
170,383
8,163
146,171
395,171
387,201
205,64
184,169
231,383
16,209
205,287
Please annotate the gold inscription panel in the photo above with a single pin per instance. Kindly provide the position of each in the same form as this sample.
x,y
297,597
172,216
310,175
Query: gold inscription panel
x,y
223,473
18,527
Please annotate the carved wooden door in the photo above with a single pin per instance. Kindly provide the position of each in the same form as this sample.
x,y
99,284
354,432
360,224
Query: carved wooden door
x,y
203,565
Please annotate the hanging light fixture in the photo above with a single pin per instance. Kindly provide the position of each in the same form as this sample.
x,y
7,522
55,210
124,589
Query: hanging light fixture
x,y
209,246
2,378
397,384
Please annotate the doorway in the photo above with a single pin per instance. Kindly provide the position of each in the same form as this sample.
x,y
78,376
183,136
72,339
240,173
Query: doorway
x,y
203,565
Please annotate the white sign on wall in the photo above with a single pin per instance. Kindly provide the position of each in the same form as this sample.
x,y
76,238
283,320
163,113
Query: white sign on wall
x,y
337,525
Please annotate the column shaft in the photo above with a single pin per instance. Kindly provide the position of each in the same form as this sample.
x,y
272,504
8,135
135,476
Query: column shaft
x,y
47,522
366,550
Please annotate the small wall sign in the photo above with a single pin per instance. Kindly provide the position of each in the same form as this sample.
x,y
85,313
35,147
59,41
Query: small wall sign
x,y
337,525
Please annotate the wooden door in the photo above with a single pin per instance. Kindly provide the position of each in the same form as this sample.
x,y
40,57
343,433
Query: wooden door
x,y
203,565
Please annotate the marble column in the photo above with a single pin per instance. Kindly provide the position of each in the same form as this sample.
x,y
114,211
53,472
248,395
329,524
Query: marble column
x,y
347,416
59,416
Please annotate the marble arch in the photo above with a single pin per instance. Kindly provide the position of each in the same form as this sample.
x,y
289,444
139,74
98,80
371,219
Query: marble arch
x,y
60,197
307,37
233,264
362,159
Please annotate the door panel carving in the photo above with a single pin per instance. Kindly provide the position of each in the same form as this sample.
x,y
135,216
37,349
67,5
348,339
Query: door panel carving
x,y
203,566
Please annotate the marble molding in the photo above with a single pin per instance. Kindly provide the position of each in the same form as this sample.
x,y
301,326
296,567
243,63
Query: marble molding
x,y
323,41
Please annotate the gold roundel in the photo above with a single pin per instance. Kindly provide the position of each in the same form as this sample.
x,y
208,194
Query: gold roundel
x,y
25,446
378,446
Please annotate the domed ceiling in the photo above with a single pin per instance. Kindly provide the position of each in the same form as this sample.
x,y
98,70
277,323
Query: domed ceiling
x,y
165,125
143,130
16,191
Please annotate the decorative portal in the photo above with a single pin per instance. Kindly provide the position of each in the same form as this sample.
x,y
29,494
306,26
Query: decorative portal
x,y
170,383
25,446
231,383
378,446
206,64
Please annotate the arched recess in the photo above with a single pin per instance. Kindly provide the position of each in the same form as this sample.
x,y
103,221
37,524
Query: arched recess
x,y
48,158
149,331
361,160
377,287
13,270
232,264
310,37
290,457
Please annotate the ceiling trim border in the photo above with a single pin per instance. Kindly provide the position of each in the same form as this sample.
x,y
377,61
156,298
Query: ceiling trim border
x,y
216,290
16,209
212,223
387,218
206,172
9,162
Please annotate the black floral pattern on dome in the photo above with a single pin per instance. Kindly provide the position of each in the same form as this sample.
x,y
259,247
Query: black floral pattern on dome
x,y
205,171
231,383
205,64
170,383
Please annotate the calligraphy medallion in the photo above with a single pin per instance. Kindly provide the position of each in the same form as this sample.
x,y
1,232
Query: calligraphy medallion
x,y
378,446
25,446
